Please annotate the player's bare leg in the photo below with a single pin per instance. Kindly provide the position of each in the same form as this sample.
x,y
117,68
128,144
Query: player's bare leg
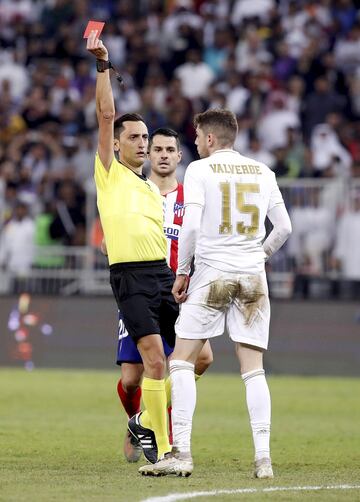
x,y
153,422
258,404
204,360
129,387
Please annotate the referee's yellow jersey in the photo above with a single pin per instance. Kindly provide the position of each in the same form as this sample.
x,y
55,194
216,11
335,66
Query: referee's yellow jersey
x,y
131,214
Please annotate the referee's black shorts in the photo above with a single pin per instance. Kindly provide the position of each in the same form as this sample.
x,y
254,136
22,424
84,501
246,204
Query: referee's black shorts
x,y
142,292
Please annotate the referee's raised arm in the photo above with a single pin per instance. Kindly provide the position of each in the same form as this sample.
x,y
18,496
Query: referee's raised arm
x,y
105,108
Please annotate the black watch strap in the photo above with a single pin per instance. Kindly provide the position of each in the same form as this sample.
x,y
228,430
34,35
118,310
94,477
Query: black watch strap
x,y
102,65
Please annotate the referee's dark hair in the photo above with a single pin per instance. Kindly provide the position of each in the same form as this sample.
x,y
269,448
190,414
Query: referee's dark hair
x,y
127,117
165,131
220,122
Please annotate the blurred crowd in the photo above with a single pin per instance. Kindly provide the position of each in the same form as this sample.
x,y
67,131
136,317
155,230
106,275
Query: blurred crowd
x,y
288,69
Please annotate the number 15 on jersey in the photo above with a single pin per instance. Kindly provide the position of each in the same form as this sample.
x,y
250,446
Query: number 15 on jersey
x,y
228,197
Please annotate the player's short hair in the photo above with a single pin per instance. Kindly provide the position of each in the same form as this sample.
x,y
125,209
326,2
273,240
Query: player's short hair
x,y
220,122
165,131
127,117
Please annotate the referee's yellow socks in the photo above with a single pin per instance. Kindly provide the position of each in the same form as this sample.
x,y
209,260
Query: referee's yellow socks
x,y
155,415
168,391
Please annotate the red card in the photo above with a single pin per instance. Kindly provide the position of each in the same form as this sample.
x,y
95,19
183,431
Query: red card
x,y
94,25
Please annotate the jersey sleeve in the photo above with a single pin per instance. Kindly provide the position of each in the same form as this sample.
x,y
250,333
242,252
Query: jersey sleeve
x,y
281,229
275,194
102,175
194,189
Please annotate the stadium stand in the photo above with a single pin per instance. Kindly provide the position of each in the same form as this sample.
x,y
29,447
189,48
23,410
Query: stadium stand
x,y
290,70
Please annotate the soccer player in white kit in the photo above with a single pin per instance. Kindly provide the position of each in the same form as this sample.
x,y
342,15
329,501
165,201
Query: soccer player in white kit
x,y
227,198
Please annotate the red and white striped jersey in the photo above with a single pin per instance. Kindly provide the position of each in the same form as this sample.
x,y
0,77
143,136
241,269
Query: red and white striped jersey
x,y
173,218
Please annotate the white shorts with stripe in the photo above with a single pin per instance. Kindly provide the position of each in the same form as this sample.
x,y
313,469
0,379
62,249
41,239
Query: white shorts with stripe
x,y
220,301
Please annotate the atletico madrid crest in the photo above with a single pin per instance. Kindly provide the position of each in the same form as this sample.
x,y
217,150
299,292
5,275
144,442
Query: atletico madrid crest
x,y
179,210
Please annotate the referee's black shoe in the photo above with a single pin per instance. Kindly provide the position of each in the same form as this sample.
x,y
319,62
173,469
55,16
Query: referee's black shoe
x,y
145,437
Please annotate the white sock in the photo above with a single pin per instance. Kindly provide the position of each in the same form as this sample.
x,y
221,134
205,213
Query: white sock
x,y
259,407
183,399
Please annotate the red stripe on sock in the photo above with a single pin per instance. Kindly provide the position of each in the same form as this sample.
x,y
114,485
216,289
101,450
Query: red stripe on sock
x,y
130,402
170,426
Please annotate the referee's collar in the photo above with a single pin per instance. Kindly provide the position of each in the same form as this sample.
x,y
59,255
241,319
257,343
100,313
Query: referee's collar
x,y
141,176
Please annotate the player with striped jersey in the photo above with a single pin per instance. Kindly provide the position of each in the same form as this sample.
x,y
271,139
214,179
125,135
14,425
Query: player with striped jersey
x,y
173,216
227,198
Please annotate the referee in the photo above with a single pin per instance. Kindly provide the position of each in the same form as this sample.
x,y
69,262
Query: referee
x,y
131,213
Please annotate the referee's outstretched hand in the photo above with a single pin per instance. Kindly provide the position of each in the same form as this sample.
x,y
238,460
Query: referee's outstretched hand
x,y
96,46
180,287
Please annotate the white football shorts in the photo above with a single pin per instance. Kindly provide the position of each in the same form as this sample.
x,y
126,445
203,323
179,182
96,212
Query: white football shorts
x,y
221,301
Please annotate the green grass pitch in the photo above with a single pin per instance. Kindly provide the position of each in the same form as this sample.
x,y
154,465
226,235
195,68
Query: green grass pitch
x,y
61,435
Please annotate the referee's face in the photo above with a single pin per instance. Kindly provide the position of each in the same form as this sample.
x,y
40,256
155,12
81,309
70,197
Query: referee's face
x,y
164,155
133,143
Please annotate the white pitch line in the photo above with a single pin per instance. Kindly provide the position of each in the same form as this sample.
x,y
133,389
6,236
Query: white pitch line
x,y
175,497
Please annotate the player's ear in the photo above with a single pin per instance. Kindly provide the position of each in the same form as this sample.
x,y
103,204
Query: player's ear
x,y
179,155
210,139
116,145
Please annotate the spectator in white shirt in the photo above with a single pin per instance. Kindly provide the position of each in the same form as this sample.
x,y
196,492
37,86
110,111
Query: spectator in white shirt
x,y
17,242
250,52
347,50
249,9
17,73
256,152
327,151
273,127
311,240
195,75
347,245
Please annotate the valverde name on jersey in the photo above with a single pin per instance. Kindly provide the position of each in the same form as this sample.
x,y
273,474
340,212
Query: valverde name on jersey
x,y
235,169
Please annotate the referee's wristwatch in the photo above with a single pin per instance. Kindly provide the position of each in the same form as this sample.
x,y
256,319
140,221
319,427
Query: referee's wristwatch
x,y
102,65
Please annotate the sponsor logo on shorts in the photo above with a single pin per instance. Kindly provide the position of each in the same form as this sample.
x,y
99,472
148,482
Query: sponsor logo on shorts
x,y
122,331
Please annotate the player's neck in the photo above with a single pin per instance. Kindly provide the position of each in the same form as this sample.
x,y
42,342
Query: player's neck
x,y
165,184
216,147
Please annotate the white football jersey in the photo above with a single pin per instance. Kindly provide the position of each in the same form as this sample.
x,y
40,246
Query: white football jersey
x,y
236,193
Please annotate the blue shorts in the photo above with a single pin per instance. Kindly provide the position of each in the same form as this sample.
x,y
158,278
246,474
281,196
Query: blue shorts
x,y
127,351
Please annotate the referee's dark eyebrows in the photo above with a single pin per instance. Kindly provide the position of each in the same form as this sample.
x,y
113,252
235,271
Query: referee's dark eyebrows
x,y
144,136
